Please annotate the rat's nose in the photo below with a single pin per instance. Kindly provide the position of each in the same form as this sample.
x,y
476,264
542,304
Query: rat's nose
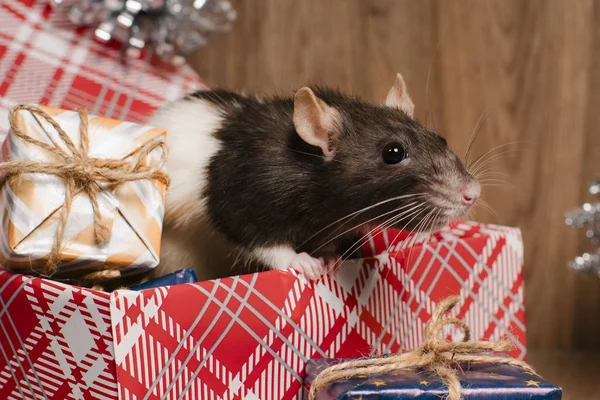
x,y
471,193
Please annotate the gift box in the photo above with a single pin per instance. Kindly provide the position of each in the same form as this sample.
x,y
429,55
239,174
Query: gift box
x,y
34,206
45,60
250,336
439,368
479,382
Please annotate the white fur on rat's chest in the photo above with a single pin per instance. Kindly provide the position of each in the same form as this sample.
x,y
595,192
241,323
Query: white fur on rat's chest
x,y
190,125
188,239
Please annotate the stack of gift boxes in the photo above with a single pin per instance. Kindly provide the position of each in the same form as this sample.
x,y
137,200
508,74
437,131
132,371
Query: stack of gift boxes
x,y
258,336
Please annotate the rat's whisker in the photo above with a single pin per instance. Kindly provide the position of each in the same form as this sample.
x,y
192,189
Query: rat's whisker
x,y
489,208
471,214
430,226
365,238
427,228
495,157
498,185
472,166
402,229
494,180
381,228
424,233
498,175
475,133
411,240
474,163
475,169
387,224
434,222
329,240
490,171
355,213
419,229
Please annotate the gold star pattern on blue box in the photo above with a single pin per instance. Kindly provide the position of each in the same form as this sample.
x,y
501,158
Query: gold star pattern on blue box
x,y
478,381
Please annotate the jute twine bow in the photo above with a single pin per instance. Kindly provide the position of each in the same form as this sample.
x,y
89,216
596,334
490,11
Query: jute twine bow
x,y
435,355
79,172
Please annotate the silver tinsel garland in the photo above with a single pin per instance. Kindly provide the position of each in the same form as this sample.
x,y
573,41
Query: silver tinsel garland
x,y
174,28
588,216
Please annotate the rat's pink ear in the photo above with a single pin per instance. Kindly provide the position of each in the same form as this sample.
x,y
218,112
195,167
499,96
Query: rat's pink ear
x,y
398,97
316,122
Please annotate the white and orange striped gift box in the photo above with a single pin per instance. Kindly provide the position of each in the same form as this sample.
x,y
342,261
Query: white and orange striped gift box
x,y
249,337
31,205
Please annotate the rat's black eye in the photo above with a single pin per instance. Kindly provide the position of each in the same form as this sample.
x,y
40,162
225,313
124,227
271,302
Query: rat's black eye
x,y
393,153
443,141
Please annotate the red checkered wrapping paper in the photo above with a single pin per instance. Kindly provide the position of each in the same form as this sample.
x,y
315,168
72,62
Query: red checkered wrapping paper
x,y
45,60
55,341
249,337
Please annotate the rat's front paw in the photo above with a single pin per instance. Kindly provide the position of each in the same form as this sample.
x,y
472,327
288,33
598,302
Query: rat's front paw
x,y
312,268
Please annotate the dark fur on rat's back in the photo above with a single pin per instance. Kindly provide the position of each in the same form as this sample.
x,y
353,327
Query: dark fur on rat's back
x,y
266,186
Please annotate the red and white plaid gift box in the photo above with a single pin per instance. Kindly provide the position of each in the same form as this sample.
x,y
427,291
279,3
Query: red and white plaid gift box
x,y
45,60
249,337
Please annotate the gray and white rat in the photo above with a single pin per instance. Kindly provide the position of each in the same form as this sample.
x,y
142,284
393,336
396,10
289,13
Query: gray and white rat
x,y
270,181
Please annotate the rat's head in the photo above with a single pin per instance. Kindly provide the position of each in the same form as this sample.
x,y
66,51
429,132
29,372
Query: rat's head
x,y
378,159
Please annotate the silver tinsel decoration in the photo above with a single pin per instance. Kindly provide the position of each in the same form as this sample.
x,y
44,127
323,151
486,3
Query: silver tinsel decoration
x,y
587,216
174,28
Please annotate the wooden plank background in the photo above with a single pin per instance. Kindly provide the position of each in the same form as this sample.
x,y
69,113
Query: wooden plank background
x,y
534,65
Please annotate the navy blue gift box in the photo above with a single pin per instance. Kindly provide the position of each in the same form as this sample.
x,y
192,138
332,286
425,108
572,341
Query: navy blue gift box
x,y
183,276
479,382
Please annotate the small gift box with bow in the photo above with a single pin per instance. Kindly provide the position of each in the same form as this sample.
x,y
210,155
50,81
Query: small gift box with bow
x,y
81,195
437,370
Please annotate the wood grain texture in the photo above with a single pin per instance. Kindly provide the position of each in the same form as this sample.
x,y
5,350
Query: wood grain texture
x,y
532,64
576,373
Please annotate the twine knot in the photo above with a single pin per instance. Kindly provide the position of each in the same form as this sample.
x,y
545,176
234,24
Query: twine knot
x,y
435,355
81,173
